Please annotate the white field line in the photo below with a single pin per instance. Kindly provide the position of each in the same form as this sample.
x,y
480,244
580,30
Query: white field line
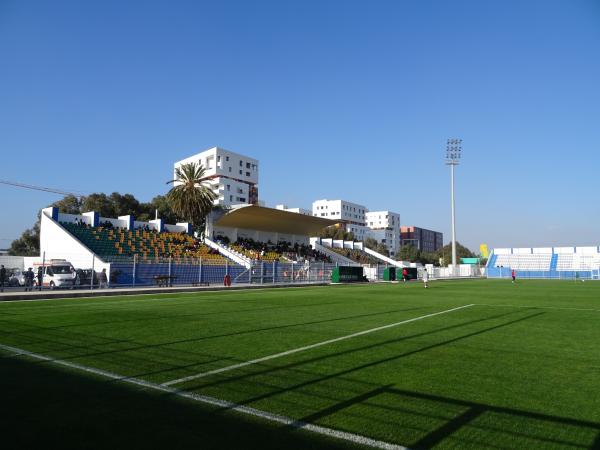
x,y
307,347
566,308
283,420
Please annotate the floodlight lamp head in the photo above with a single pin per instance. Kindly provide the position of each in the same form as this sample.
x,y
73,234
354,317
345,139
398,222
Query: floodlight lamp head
x,y
453,151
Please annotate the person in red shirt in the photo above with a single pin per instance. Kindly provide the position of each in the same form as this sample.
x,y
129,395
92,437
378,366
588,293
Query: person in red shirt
x,y
404,275
513,274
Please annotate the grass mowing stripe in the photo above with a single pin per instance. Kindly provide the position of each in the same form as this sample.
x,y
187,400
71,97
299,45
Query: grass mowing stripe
x,y
307,347
538,307
181,294
350,437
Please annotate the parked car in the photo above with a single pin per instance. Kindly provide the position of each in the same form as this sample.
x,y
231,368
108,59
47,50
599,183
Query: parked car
x,y
84,277
56,273
15,277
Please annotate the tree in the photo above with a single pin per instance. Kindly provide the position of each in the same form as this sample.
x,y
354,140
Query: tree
x,y
382,249
336,232
114,205
429,258
192,199
124,204
461,252
379,247
28,244
147,211
68,205
408,252
100,203
371,243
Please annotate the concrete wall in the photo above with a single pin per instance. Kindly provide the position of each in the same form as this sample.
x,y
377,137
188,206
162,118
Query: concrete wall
x,y
58,243
12,262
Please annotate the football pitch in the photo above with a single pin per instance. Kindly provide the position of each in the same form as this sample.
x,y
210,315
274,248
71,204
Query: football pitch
x,y
463,364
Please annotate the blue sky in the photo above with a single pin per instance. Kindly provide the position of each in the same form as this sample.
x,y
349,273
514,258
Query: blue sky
x,y
337,99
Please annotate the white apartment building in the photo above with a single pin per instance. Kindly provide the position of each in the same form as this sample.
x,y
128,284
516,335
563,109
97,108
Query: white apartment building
x,y
233,177
384,227
352,214
302,211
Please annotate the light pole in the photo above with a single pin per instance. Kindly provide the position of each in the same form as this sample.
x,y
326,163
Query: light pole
x,y
453,152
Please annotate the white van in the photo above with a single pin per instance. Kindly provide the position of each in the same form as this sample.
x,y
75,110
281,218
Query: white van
x,y
57,273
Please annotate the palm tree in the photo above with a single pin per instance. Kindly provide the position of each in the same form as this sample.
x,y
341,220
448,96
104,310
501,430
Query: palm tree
x,y
190,197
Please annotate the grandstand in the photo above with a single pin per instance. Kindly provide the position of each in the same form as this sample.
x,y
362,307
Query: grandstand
x,y
249,243
356,255
267,251
545,262
142,253
111,242
132,252
354,252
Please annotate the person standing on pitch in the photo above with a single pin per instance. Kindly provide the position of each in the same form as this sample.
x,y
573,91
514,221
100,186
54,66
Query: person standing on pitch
x,y
2,277
514,276
425,278
404,275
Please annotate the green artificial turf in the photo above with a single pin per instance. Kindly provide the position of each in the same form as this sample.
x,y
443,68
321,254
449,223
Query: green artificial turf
x,y
518,369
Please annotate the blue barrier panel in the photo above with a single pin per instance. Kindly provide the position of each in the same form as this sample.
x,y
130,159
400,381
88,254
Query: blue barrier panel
x,y
182,274
505,272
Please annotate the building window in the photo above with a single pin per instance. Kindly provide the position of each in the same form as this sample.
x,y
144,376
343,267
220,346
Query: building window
x,y
247,174
229,169
240,171
241,163
231,198
247,165
228,187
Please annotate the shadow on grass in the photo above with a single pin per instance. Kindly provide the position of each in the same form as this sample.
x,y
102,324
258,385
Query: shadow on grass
x,y
476,423
370,347
380,361
185,355
48,407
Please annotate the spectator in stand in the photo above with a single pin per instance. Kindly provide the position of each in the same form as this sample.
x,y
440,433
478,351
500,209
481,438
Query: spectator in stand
x,y
2,277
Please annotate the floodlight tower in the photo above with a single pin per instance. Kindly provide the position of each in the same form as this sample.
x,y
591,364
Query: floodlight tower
x,y
453,152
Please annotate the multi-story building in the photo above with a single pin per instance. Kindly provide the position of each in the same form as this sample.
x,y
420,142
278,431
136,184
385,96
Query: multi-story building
x,y
384,227
233,177
423,239
351,214
302,211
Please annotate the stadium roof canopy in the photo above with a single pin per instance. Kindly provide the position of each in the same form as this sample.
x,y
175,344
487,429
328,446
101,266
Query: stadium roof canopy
x,y
274,220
